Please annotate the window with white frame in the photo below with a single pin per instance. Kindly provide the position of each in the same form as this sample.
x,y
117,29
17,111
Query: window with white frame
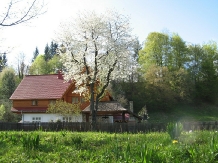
x,y
36,119
75,100
67,119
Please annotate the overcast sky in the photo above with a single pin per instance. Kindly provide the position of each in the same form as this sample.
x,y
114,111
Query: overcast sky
x,y
196,21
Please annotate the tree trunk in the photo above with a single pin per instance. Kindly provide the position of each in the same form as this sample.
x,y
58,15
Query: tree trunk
x,y
92,107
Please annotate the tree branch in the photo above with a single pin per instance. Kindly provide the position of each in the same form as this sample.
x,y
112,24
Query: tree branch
x,y
108,81
28,15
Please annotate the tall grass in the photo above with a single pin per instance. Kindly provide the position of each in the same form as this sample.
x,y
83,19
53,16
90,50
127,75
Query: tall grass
x,y
65,146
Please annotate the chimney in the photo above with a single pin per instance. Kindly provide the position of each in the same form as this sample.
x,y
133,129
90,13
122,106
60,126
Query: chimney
x,y
60,75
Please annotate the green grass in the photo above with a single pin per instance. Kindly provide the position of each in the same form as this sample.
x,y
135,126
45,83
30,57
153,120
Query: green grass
x,y
90,147
182,113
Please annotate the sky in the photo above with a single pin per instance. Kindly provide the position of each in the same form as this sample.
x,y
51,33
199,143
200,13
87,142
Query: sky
x,y
196,21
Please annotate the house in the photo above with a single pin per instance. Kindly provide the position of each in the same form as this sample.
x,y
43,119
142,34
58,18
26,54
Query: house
x,y
36,92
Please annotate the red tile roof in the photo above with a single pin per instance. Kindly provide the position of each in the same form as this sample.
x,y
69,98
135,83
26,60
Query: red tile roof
x,y
40,87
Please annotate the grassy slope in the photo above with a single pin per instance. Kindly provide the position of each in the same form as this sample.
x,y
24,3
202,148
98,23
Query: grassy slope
x,y
204,112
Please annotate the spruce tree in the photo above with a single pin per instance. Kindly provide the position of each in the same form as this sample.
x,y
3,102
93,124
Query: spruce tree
x,y
35,54
3,61
47,53
53,48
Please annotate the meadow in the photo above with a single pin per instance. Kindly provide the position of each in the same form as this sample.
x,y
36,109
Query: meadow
x,y
90,147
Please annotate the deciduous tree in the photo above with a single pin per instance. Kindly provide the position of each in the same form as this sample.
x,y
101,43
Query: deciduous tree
x,y
97,49
64,108
22,68
156,50
7,82
178,56
40,66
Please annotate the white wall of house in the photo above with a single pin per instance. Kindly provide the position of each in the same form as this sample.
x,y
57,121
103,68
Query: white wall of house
x,y
30,117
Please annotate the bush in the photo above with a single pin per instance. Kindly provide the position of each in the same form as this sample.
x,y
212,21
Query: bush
x,y
174,130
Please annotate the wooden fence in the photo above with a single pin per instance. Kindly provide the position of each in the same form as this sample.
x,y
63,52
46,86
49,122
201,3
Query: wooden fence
x,y
105,127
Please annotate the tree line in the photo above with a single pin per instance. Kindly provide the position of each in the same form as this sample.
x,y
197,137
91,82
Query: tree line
x,y
172,72
46,63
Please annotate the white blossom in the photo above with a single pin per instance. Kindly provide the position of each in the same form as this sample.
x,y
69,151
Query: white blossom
x,y
100,42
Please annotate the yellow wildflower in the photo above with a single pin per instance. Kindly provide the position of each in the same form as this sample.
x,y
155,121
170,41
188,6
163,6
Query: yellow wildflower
x,y
175,141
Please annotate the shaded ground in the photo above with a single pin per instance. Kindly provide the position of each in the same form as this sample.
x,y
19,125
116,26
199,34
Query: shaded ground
x,y
186,113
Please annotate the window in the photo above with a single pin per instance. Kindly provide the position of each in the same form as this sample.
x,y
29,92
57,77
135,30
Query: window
x,y
34,102
67,119
75,100
36,119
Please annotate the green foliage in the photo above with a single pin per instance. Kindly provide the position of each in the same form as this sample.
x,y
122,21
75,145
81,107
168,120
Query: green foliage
x,y
175,72
7,83
64,108
3,61
41,66
163,64
165,89
8,116
178,55
47,53
55,64
155,51
202,69
2,111
50,51
30,140
53,49
124,91
77,141
174,130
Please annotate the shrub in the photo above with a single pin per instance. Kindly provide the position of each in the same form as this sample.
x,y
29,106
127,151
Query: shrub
x,y
174,130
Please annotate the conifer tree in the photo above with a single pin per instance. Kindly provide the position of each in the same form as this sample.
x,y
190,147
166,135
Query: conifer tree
x,y
53,49
47,53
3,61
35,54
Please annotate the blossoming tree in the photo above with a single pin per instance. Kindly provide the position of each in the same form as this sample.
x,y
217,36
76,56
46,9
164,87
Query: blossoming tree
x,y
96,48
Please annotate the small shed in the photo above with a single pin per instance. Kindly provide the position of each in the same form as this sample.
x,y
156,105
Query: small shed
x,y
110,111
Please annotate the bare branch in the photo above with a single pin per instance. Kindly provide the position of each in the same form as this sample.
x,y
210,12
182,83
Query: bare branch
x,y
14,17
6,15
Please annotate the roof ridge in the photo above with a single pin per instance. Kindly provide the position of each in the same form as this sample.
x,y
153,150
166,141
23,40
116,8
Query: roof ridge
x,y
42,75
